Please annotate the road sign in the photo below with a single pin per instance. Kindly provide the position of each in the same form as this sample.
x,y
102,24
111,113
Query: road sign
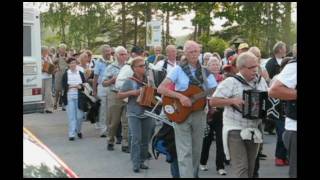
x,y
153,36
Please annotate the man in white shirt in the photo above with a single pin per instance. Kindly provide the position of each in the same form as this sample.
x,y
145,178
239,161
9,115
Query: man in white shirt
x,y
170,61
284,88
240,148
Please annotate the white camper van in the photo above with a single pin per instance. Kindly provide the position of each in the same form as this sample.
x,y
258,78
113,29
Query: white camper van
x,y
32,81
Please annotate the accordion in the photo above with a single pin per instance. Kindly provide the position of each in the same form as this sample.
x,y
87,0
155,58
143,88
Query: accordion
x,y
146,97
254,104
48,67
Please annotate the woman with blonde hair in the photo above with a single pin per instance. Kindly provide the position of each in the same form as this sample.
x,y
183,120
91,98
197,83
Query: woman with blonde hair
x,y
139,124
84,64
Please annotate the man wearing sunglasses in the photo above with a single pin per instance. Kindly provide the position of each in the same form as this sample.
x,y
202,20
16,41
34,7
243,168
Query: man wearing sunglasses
x,y
116,106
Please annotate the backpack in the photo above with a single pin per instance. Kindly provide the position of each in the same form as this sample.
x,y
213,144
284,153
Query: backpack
x,y
164,143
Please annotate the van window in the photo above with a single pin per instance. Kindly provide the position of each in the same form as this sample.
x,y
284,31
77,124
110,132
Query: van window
x,y
26,40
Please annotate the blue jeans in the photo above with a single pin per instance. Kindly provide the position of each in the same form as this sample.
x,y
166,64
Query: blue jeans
x,y
75,115
140,129
174,168
281,151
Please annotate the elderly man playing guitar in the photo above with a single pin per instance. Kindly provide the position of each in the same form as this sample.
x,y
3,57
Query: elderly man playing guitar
x,y
185,107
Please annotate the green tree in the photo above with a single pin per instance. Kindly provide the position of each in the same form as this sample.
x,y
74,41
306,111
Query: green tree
x,y
216,45
58,17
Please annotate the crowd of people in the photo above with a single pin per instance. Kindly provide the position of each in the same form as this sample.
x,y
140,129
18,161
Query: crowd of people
x,y
116,82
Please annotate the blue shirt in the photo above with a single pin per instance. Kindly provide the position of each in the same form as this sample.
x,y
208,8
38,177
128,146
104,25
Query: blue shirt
x,y
99,68
151,58
110,71
181,80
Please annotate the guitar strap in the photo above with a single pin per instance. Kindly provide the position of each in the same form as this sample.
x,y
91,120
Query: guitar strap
x,y
138,80
205,78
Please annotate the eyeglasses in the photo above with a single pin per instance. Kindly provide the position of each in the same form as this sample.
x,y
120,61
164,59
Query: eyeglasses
x,y
192,52
251,67
142,65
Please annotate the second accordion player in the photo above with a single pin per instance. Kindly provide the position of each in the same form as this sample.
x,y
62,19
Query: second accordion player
x,y
254,104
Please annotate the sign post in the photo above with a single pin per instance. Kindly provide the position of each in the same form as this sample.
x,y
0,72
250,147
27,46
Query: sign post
x,y
153,36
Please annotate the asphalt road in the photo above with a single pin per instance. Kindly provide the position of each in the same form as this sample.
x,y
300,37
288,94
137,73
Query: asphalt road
x,y
88,157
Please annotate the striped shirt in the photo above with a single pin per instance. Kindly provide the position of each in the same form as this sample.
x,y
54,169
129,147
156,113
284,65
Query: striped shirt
x,y
230,88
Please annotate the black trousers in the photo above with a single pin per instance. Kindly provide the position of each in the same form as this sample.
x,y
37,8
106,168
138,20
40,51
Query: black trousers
x,y
214,127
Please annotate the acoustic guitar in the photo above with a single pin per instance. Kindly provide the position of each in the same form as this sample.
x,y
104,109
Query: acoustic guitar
x,y
178,113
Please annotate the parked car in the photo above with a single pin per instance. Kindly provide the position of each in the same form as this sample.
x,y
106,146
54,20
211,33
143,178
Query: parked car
x,y
40,162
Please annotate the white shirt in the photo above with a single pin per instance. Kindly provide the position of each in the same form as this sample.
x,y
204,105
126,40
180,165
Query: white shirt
x,y
288,77
125,72
170,66
232,119
74,78
230,88
279,60
79,68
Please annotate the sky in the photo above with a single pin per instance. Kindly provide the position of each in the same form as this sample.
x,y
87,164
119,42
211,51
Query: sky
x,y
176,27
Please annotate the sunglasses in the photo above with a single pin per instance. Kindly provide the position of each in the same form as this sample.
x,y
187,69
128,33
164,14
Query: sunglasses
x,y
142,65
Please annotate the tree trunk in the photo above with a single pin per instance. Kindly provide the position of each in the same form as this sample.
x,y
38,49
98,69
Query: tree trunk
x,y
123,13
199,31
268,27
135,29
168,30
287,23
163,39
147,19
195,32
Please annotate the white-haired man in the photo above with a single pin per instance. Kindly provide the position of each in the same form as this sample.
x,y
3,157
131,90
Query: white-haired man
x,y
116,107
241,136
99,90
188,134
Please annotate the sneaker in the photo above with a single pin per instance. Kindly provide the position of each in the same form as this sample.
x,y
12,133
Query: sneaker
x,y
110,147
97,125
260,155
143,166
136,170
255,175
103,136
203,167
118,141
71,138
63,109
222,172
80,135
125,149
48,111
280,162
